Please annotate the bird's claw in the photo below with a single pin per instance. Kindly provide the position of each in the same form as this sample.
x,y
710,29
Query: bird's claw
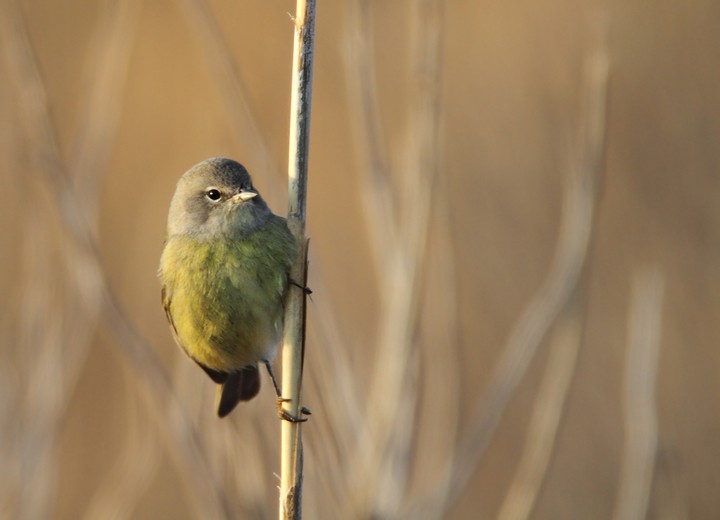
x,y
285,415
304,288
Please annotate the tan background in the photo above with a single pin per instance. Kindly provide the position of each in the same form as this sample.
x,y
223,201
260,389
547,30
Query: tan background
x,y
480,114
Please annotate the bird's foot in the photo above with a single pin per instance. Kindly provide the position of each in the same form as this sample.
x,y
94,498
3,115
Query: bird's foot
x,y
305,288
285,415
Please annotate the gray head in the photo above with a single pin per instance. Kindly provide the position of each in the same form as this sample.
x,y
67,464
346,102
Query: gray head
x,y
216,198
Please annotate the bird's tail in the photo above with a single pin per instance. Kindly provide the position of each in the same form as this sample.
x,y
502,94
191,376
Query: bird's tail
x,y
242,385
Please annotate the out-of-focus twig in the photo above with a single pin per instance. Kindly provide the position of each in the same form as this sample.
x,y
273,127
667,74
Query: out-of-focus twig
x,y
560,368
542,432
378,201
229,80
336,392
381,474
40,370
438,422
641,371
108,62
56,359
125,481
555,291
34,114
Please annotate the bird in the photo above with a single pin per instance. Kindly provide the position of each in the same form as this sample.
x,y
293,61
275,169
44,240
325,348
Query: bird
x,y
224,271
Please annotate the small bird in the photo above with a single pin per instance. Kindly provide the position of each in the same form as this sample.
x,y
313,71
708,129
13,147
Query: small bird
x,y
225,273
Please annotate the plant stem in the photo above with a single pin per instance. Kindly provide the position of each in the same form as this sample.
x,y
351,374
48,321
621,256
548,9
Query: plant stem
x,y
294,335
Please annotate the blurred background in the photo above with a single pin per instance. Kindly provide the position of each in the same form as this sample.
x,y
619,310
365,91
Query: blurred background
x,y
514,256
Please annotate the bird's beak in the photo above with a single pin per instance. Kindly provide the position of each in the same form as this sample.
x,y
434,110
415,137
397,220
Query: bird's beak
x,y
244,196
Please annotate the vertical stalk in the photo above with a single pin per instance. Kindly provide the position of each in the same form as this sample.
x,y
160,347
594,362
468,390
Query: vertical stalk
x,y
640,402
294,335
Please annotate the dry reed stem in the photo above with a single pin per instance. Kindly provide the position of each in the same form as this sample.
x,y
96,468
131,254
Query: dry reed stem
x,y
547,412
229,79
337,428
291,451
246,485
33,458
106,73
82,253
439,421
641,372
127,480
378,202
381,479
557,288
62,353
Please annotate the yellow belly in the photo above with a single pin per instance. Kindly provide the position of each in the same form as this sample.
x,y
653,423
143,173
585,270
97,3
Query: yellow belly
x,y
225,301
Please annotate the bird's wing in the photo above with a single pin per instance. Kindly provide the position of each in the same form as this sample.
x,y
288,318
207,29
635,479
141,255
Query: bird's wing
x,y
217,377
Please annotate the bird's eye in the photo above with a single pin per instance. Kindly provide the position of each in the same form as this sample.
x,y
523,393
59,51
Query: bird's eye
x,y
212,194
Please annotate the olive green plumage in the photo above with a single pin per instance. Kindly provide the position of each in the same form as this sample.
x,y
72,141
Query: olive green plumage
x,y
224,271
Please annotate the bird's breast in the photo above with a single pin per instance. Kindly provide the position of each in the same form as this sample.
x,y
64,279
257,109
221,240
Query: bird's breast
x,y
226,300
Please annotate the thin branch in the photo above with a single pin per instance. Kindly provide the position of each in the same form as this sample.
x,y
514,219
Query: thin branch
x,y
366,124
107,68
295,318
178,430
128,479
557,288
641,371
561,365
380,473
546,415
439,419
233,89
66,318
